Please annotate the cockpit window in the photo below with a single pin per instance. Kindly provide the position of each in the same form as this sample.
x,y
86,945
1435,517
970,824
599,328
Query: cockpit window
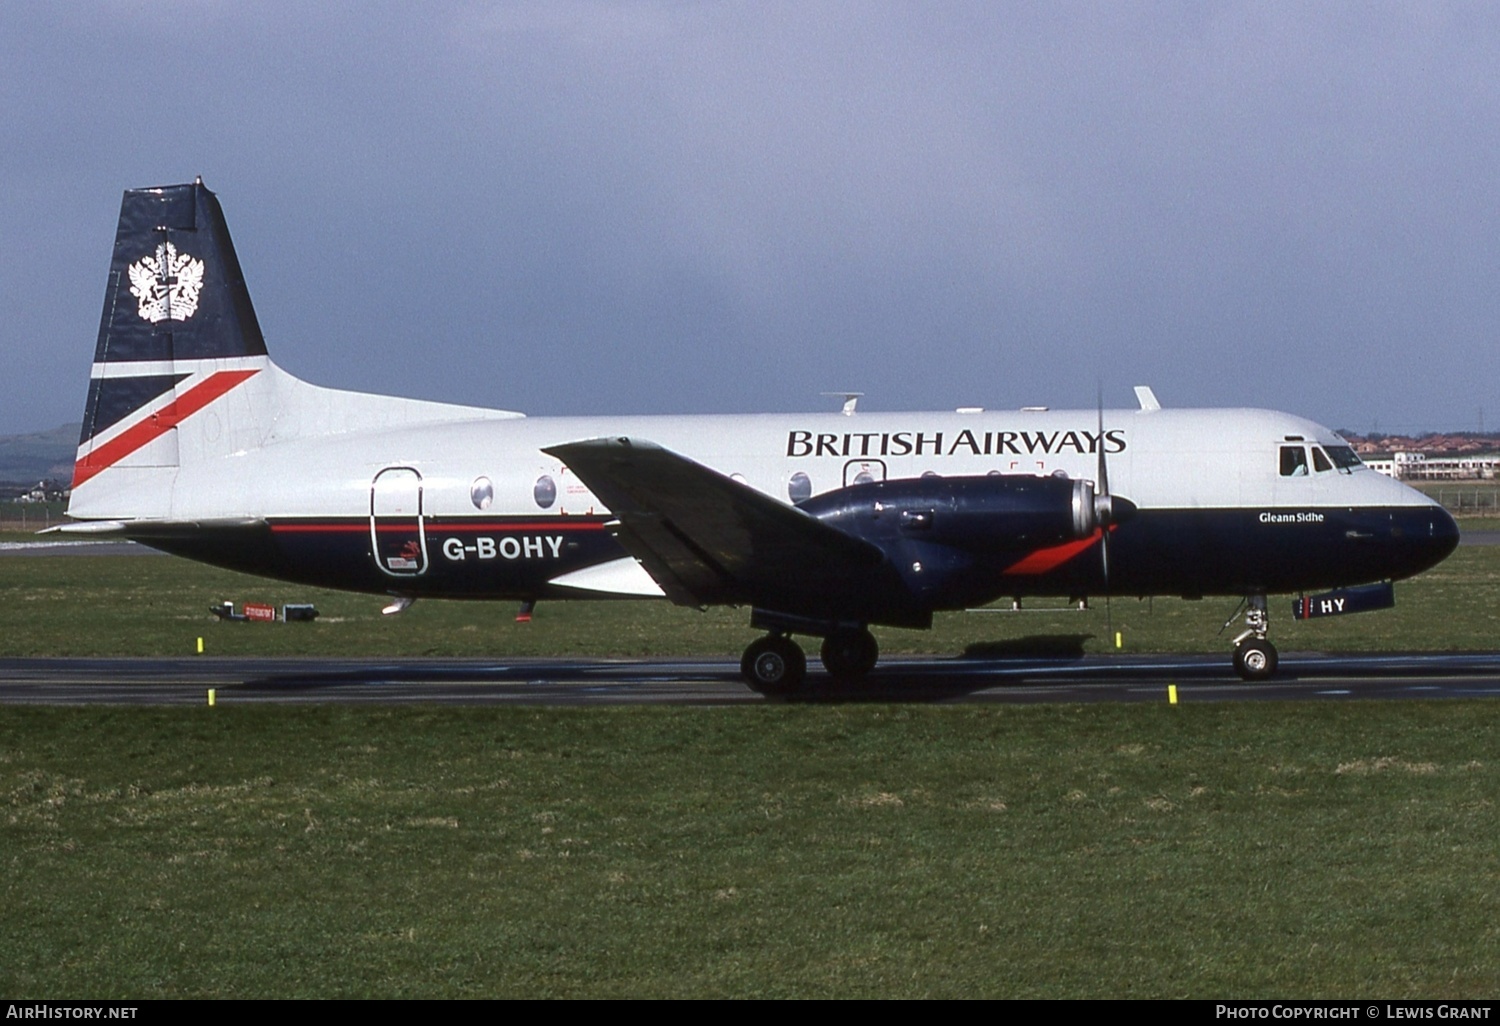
x,y
1344,457
1320,462
1293,461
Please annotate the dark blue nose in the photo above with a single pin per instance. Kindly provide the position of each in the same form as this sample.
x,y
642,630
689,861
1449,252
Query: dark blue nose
x,y
1426,536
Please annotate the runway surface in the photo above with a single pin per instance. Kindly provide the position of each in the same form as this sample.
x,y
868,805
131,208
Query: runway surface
x,y
1303,677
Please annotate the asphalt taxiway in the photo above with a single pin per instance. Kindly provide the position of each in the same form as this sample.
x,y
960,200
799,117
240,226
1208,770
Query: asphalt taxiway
x,y
1302,677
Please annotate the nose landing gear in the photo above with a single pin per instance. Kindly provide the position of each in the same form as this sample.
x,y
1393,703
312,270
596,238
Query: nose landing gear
x,y
1255,658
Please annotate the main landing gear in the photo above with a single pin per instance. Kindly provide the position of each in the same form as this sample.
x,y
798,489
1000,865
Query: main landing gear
x,y
776,665
850,653
1254,656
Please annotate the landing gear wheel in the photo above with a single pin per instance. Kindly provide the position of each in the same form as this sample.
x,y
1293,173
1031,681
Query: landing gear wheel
x,y
1255,660
850,654
774,665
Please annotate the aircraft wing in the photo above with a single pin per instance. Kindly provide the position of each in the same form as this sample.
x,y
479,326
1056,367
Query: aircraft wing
x,y
707,539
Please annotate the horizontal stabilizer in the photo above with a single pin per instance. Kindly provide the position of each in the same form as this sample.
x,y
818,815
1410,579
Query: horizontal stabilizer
x,y
145,530
92,527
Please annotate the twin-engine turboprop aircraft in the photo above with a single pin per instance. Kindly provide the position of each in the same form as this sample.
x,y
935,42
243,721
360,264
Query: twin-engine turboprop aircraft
x,y
822,524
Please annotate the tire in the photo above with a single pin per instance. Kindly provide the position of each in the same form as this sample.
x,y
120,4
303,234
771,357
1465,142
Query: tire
x,y
774,665
849,655
1255,660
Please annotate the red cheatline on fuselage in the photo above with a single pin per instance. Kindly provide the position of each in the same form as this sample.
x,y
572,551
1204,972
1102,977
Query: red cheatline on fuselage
x,y
563,522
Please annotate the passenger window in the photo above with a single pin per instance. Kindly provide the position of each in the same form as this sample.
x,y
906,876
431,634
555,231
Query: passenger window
x,y
1320,462
1293,461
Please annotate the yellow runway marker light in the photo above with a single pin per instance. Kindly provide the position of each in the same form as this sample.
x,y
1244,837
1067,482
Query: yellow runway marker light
x,y
1119,640
1172,693
200,646
211,695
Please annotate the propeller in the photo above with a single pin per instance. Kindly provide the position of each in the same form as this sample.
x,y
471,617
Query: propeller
x,y
1108,511
1104,512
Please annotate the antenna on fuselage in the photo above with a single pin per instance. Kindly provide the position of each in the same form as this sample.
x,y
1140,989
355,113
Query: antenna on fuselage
x,y
851,400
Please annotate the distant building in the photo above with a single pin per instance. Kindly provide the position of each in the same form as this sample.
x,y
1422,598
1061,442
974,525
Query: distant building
x,y
44,491
1418,466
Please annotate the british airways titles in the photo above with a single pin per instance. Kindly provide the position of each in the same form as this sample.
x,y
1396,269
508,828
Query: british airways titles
x,y
939,443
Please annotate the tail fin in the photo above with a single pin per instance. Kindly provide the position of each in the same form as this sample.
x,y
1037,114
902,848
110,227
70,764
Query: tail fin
x,y
181,376
178,332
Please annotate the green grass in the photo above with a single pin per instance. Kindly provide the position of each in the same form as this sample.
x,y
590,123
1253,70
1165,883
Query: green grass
x,y
1464,498
1217,850
1468,523
155,606
29,517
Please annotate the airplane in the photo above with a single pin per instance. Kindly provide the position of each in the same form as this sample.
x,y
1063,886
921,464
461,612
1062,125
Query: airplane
x,y
822,525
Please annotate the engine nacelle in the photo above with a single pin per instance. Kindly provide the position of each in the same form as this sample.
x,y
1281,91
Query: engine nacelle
x,y
995,514
951,539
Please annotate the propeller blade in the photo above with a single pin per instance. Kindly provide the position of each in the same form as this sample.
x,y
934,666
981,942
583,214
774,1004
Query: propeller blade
x,y
1103,464
1103,503
1105,508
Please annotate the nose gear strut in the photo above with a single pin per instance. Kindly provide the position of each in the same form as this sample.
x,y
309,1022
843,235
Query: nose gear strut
x,y
1255,657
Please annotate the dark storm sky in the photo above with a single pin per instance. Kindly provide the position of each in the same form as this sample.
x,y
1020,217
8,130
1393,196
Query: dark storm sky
x,y
684,207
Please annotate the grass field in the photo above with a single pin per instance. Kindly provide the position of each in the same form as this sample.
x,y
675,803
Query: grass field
x,y
1466,497
154,606
30,516
1140,851
1223,850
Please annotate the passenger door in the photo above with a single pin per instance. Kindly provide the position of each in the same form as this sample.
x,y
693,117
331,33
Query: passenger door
x,y
398,536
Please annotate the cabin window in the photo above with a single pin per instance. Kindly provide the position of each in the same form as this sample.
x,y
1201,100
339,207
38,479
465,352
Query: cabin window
x,y
799,487
481,493
1293,461
1320,462
545,492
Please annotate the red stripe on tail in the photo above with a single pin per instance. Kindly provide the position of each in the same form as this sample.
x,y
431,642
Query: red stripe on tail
x,y
157,424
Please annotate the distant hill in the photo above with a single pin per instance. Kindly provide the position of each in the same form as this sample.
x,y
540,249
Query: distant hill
x,y
27,459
